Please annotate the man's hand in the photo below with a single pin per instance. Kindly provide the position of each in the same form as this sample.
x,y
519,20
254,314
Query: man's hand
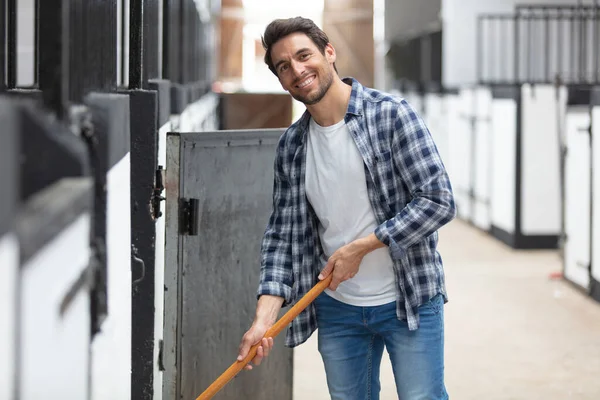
x,y
266,314
252,337
344,263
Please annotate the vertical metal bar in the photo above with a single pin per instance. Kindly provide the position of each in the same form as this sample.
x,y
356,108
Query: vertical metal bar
x,y
165,39
123,37
2,45
546,60
582,47
480,23
36,46
11,46
182,44
516,50
196,48
506,75
597,41
498,51
573,57
529,67
78,41
559,39
113,43
54,54
136,43
185,41
159,38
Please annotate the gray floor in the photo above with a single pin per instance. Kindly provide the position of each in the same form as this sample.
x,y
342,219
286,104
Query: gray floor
x,y
512,332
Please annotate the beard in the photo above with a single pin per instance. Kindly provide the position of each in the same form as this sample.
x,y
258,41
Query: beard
x,y
314,98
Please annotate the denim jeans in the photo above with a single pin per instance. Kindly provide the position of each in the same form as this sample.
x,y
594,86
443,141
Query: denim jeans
x,y
351,343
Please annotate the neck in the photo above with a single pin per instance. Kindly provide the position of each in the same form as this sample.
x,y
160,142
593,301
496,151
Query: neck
x,y
332,107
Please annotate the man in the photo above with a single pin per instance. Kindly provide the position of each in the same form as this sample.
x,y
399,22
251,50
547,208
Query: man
x,y
359,192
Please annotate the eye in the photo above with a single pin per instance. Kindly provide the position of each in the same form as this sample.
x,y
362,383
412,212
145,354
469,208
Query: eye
x,y
304,56
283,68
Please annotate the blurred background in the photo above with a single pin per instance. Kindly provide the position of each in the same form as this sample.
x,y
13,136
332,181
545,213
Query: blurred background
x,y
138,139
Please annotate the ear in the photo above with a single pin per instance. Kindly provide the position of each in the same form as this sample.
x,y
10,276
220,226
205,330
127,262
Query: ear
x,y
330,53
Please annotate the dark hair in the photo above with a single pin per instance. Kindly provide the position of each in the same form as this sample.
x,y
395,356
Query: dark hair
x,y
280,28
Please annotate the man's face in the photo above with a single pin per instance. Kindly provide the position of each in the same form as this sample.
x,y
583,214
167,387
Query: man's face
x,y
301,68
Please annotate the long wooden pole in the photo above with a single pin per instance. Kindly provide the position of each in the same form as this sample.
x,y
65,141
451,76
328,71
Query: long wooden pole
x,y
284,321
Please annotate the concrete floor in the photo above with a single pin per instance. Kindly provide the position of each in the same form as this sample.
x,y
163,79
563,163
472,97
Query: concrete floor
x,y
511,331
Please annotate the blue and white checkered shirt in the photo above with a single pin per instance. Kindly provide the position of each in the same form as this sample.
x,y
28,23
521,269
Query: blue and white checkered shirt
x,y
409,191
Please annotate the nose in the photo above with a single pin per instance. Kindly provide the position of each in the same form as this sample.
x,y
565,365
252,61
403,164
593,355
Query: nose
x,y
297,69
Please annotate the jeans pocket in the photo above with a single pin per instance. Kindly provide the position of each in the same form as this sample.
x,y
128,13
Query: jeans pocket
x,y
434,305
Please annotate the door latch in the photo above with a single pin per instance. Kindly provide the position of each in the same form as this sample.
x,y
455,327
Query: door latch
x,y
157,192
189,216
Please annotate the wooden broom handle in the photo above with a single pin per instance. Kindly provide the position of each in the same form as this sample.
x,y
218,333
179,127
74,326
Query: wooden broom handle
x,y
284,321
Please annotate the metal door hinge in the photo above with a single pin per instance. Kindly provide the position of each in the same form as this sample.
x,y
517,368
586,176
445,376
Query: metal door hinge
x,y
157,192
138,273
161,363
188,216
587,130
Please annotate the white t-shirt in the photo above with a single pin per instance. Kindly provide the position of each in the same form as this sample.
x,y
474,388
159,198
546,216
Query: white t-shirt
x,y
337,190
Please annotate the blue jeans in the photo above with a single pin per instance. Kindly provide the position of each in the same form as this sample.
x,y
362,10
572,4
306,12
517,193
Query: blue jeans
x,y
351,342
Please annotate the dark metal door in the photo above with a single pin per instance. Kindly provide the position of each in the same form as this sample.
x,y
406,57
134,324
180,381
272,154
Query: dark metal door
x,y
219,196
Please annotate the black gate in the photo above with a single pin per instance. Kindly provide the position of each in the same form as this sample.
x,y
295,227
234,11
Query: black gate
x,y
110,73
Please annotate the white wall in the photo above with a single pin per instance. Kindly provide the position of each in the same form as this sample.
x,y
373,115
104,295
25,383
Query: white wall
x,y
540,167
111,347
198,116
54,348
483,157
9,264
434,117
452,123
503,181
596,191
577,197
460,142
459,19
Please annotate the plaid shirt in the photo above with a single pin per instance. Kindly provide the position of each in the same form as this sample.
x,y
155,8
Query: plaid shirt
x,y
409,191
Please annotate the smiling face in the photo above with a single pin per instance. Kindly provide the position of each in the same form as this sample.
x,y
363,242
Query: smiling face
x,y
302,69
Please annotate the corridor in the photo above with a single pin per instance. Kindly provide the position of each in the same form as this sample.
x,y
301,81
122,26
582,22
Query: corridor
x,y
512,332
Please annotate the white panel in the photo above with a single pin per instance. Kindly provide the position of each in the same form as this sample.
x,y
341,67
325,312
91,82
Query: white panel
x,y
9,264
462,154
25,42
111,349
159,272
119,6
55,349
481,215
483,157
540,172
504,142
200,115
577,197
596,193
452,123
415,100
162,144
435,121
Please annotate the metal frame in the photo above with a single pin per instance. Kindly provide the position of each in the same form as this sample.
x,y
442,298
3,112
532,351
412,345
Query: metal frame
x,y
172,321
175,239
521,22
3,50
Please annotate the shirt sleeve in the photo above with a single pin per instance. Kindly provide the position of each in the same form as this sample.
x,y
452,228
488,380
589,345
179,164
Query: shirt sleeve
x,y
422,171
276,273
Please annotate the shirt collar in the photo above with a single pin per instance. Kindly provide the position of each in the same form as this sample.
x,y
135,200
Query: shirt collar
x,y
355,105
